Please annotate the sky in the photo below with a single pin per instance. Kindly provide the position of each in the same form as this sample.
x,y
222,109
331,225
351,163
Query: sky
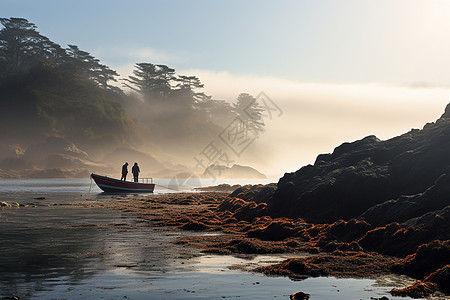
x,y
339,70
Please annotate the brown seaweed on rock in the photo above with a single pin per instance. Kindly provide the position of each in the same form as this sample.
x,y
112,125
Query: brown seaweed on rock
x,y
257,193
338,263
427,259
403,239
438,280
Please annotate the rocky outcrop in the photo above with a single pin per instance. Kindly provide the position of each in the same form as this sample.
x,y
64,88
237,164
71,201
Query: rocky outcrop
x,y
6,152
431,264
233,172
411,170
55,148
405,208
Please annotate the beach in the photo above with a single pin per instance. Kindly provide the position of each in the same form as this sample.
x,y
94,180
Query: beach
x,y
77,245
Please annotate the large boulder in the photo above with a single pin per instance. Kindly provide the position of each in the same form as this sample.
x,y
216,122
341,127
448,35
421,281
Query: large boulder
x,y
367,172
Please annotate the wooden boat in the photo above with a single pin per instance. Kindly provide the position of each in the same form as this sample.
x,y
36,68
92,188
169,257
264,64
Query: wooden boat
x,y
111,185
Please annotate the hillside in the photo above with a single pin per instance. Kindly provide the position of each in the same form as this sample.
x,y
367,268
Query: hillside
x,y
47,90
51,100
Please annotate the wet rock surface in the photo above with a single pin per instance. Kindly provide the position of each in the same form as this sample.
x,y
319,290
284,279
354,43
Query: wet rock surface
x,y
411,170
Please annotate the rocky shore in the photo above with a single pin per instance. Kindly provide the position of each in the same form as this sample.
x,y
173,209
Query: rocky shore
x,y
352,248
369,208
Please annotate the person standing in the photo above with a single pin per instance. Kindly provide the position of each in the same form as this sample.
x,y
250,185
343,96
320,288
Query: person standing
x,y
135,170
124,172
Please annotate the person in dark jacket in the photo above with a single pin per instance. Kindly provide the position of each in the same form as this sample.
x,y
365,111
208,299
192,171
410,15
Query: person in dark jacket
x,y
135,170
124,172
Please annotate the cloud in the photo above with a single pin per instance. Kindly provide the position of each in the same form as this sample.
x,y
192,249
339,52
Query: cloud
x,y
123,58
128,53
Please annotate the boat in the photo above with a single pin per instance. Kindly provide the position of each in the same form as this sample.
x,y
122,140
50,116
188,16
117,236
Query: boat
x,y
111,185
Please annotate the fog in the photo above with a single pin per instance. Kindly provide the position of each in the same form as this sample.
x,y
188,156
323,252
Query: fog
x,y
317,117
169,139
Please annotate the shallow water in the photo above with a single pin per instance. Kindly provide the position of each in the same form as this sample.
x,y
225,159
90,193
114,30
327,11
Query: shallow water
x,y
50,250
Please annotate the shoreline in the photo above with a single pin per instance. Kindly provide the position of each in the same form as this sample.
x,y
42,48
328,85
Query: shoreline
x,y
239,227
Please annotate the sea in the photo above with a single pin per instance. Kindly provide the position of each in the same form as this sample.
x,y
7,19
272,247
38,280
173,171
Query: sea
x,y
50,249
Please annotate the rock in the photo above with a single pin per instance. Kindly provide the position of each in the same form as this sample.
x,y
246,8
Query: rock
x,y
7,152
418,290
58,158
349,231
394,239
427,259
258,193
275,231
219,188
242,210
300,296
404,239
15,163
446,113
357,176
441,277
39,153
408,207
11,204
422,288
194,225
233,172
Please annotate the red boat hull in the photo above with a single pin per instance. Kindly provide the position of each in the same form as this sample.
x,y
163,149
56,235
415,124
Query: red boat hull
x,y
112,185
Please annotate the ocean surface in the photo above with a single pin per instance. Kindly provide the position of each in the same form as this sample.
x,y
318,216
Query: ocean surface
x,y
50,250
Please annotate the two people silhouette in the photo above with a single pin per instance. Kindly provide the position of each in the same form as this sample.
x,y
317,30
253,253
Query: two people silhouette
x,y
135,170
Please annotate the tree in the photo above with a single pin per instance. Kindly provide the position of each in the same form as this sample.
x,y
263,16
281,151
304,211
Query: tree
x,y
190,85
89,66
219,112
21,44
250,112
152,81
103,74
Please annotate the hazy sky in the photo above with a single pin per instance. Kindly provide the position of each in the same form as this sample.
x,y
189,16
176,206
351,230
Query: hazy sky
x,y
335,41
339,69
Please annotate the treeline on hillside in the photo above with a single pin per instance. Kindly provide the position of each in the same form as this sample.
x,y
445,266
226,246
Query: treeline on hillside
x,y
46,90
179,113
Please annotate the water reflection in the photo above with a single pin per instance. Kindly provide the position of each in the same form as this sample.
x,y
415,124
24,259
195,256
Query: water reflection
x,y
50,250
38,246
46,246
